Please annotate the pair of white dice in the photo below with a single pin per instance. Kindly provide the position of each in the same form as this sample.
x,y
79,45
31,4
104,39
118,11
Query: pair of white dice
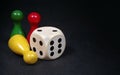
x,y
48,42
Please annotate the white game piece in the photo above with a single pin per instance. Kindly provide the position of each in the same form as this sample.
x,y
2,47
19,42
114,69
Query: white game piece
x,y
48,42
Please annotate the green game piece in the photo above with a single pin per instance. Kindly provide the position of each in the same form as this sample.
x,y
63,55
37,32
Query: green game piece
x,y
17,17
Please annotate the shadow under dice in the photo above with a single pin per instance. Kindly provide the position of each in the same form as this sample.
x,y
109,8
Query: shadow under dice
x,y
48,42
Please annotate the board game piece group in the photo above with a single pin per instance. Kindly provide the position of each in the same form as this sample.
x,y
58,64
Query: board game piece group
x,y
46,43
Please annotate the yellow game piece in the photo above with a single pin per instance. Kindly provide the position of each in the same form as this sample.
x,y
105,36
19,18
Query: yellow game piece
x,y
30,57
19,45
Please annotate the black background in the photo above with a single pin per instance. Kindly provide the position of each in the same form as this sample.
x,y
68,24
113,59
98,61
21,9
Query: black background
x,y
91,29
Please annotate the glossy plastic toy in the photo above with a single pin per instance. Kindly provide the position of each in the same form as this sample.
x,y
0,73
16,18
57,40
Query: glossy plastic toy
x,y
19,45
17,17
34,19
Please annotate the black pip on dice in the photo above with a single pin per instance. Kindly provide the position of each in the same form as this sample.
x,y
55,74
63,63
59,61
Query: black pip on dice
x,y
48,42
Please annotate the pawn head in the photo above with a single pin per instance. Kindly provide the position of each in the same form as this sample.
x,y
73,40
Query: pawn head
x,y
34,18
17,15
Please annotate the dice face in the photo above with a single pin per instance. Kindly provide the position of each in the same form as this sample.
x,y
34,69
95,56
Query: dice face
x,y
56,47
38,45
48,42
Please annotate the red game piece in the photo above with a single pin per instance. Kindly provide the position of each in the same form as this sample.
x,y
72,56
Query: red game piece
x,y
34,19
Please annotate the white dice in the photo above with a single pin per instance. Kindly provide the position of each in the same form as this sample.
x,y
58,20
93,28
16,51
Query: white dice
x,y
48,42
